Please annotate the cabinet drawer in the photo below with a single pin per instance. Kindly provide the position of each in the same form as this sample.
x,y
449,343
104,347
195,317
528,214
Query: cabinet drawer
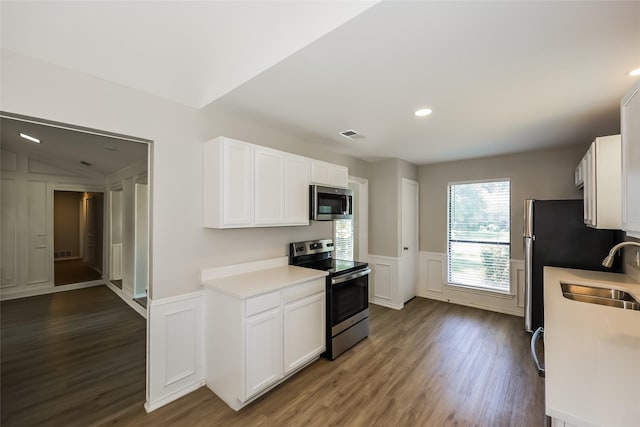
x,y
303,290
262,303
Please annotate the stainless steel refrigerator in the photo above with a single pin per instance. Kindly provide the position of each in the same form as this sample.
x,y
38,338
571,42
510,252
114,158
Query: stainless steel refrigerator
x,y
555,235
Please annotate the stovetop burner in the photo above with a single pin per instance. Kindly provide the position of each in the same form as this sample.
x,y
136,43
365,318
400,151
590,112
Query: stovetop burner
x,y
317,254
335,266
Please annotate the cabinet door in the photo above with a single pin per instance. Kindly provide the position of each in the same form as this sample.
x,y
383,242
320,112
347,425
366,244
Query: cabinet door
x,y
237,179
263,351
319,172
296,190
324,173
630,117
304,331
338,176
269,186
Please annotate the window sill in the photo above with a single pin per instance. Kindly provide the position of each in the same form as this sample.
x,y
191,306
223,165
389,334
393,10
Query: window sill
x,y
481,291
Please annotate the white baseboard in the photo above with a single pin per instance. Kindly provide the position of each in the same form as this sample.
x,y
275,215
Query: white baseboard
x,y
44,289
175,364
383,303
489,307
173,396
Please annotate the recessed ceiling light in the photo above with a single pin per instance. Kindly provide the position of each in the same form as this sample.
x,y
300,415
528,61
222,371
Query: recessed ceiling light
x,y
423,112
635,72
30,138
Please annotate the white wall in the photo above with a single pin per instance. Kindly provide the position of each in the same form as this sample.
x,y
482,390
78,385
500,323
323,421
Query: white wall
x,y
543,174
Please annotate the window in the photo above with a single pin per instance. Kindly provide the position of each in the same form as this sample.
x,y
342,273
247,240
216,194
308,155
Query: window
x,y
478,235
343,239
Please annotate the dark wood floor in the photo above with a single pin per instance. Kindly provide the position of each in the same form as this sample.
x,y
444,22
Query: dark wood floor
x,y
431,364
73,271
70,358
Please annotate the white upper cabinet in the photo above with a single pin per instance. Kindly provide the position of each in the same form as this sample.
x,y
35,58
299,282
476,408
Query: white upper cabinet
x,y
601,172
228,183
630,128
281,187
246,185
328,174
269,186
296,190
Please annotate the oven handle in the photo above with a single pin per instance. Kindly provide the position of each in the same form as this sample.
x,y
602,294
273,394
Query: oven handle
x,y
342,279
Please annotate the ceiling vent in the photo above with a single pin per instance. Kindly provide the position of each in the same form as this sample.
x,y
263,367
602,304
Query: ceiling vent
x,y
351,134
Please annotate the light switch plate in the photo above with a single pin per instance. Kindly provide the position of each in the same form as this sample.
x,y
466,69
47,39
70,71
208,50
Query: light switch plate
x,y
42,240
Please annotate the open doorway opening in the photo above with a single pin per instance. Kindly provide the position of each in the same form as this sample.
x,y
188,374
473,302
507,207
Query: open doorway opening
x,y
78,237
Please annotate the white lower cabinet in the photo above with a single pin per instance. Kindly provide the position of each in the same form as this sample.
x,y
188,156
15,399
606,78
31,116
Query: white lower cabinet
x,y
252,344
304,331
263,351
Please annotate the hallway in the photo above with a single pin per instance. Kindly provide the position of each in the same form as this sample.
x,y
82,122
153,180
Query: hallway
x,y
74,271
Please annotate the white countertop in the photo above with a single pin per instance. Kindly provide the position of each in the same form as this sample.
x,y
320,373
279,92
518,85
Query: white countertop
x,y
592,352
253,283
599,279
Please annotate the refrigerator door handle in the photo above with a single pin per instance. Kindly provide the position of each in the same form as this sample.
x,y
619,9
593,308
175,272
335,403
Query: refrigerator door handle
x,y
534,339
528,283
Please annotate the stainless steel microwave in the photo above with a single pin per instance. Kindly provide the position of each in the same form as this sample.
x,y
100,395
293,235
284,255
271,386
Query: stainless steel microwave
x,y
330,203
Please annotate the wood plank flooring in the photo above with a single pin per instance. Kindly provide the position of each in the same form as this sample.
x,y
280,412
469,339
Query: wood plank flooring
x,y
70,358
431,364
73,271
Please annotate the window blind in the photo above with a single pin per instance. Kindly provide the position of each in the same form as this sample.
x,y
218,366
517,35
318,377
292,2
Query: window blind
x,y
343,239
479,235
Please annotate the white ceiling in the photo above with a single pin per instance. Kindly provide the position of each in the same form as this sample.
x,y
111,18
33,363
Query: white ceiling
x,y
500,76
191,52
66,149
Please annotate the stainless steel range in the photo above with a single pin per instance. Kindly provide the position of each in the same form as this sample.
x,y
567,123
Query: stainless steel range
x,y
347,293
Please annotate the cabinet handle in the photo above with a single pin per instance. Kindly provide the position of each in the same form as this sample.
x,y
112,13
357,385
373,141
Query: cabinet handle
x,y
534,338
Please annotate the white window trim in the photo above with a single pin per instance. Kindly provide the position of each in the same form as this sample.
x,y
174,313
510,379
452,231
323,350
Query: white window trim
x,y
510,293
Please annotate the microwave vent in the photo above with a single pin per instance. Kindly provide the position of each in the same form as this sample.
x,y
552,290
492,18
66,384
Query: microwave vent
x,y
351,134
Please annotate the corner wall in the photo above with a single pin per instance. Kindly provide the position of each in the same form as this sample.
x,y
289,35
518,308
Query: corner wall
x,y
544,174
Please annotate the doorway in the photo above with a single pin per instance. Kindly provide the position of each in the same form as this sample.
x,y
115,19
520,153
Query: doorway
x,y
78,236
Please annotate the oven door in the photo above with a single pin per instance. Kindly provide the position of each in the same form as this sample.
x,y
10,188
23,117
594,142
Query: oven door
x,y
349,296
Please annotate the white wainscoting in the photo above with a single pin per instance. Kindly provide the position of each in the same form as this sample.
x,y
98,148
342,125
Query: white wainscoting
x,y
116,261
432,283
175,366
384,281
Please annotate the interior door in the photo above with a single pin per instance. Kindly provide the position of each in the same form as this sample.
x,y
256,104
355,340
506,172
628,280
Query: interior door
x,y
409,259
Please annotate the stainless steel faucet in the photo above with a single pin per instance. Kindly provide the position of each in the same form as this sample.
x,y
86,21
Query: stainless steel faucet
x,y
608,261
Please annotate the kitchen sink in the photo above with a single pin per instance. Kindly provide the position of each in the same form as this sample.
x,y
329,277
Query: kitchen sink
x,y
603,296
